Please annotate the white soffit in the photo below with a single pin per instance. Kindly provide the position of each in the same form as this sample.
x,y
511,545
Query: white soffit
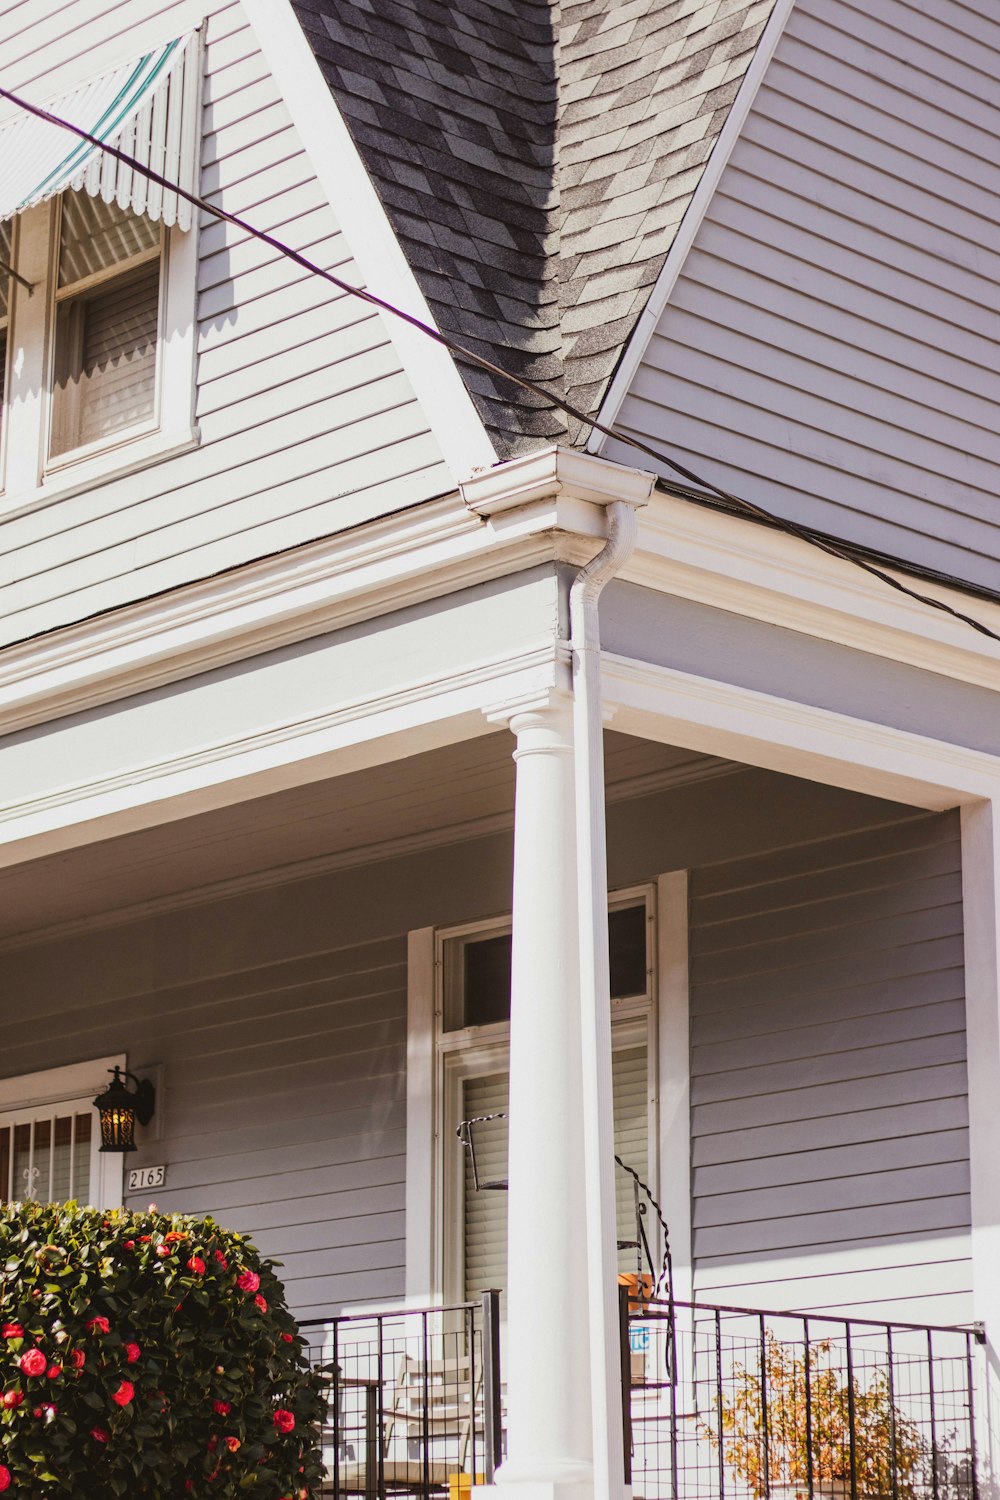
x,y
147,107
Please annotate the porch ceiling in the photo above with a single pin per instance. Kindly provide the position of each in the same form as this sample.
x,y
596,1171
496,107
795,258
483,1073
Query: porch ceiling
x,y
441,796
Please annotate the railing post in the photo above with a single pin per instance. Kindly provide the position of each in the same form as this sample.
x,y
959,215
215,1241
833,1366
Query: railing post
x,y
492,1415
626,1358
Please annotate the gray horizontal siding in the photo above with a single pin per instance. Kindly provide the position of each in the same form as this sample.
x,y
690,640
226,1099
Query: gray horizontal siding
x,y
828,1083
830,349
283,1108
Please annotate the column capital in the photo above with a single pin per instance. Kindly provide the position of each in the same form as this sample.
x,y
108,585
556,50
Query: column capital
x,y
543,706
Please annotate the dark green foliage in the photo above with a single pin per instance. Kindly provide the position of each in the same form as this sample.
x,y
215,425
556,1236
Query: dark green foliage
x,y
175,1389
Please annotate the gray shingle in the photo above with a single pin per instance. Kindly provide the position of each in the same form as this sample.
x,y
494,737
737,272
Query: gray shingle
x,y
535,160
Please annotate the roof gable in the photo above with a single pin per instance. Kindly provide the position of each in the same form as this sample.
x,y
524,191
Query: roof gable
x,y
535,164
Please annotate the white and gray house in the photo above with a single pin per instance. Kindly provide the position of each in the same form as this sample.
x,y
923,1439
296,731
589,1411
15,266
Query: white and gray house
x,y
382,746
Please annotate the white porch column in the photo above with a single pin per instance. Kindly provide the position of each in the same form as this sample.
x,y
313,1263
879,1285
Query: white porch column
x,y
549,1421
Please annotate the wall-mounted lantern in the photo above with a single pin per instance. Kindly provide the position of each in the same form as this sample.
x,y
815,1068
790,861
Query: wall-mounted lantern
x,y
120,1107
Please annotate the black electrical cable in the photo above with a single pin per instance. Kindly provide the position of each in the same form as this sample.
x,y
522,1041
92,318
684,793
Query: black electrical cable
x,y
468,356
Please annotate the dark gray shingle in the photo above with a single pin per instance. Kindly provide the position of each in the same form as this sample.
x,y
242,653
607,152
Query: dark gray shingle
x,y
536,161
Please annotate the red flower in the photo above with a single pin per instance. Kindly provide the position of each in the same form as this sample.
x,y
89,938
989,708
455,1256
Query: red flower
x,y
144,1239
98,1434
163,1251
99,1325
123,1395
33,1362
46,1410
11,1331
129,1244
222,1261
287,1338
54,1371
233,1444
173,1237
283,1420
248,1281
10,1399
5,1477
77,1359
221,1408
196,1266
132,1353
261,1302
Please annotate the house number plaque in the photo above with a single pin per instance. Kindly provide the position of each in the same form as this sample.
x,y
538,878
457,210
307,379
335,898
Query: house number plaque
x,y
141,1178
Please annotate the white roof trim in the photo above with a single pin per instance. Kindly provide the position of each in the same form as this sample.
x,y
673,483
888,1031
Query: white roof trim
x,y
147,107
642,333
436,380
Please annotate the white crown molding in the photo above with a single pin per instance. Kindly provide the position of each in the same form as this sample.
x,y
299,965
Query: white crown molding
x,y
635,349
442,546
563,472
384,269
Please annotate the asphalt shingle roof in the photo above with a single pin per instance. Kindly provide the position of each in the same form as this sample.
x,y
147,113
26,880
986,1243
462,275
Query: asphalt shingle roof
x,y
535,160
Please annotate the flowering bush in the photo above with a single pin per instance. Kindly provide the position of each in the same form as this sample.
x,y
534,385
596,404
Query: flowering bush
x,y
147,1356
810,1444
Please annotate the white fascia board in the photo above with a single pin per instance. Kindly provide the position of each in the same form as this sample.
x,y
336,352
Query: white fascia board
x,y
435,377
642,333
778,734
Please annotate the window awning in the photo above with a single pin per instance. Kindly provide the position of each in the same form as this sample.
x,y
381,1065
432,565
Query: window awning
x,y
147,108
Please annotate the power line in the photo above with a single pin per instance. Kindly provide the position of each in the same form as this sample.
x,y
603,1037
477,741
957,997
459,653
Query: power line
x,y
469,357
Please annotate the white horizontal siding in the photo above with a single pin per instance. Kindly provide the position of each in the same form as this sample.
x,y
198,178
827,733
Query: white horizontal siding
x,y
831,349
307,423
829,1098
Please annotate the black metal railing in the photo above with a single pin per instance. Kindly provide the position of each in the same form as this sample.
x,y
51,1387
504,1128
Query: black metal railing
x,y
738,1404
413,1399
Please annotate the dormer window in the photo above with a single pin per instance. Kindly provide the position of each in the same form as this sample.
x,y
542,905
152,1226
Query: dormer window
x,y
98,270
107,301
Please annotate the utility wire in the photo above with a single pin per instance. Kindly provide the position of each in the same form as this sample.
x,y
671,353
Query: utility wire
x,y
469,357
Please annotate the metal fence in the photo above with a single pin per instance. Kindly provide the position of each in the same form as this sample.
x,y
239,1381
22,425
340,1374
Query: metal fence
x,y
413,1400
738,1404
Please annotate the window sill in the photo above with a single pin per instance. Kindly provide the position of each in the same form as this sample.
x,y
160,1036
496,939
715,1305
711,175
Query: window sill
x,y
75,477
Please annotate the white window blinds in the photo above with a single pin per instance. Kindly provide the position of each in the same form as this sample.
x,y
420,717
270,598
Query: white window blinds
x,y
485,1218
107,315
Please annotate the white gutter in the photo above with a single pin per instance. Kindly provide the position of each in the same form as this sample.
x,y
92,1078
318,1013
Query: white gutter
x,y
595,996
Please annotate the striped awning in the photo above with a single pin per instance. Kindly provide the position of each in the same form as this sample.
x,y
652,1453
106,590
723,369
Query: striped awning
x,y
147,108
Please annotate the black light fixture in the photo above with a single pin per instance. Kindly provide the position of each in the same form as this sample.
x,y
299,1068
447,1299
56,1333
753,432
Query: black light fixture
x,y
120,1107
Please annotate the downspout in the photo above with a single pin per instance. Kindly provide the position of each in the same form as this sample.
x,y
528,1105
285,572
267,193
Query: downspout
x,y
595,996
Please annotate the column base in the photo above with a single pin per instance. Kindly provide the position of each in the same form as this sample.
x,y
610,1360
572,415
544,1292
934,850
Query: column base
x,y
536,1489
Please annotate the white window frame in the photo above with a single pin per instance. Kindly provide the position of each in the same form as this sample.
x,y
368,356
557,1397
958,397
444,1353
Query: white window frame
x,y
29,477
439,1061
71,1090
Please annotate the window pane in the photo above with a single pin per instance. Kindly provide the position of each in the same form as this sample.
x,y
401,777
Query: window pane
x,y
483,991
23,1177
486,1211
94,236
627,941
50,1158
485,1238
106,358
487,981
80,1186
632,1145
